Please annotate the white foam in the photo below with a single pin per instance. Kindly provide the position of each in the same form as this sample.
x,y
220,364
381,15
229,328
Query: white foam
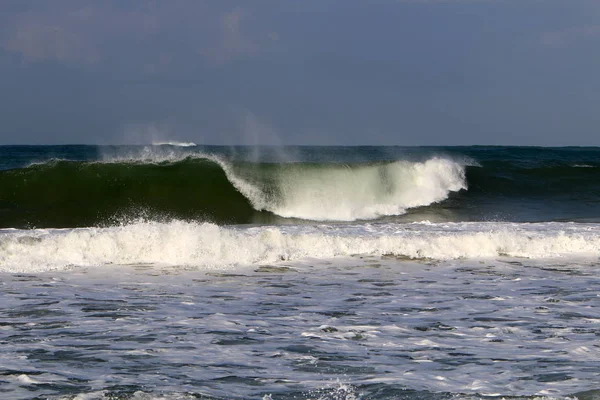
x,y
138,395
172,143
27,380
343,193
208,246
150,154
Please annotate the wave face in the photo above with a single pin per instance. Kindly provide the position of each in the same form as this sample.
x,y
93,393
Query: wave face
x,y
69,193
206,245
75,193
82,186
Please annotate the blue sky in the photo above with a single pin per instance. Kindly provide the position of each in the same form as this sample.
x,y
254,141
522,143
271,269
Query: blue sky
x,y
341,72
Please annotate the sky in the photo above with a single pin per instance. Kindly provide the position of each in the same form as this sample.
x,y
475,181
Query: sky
x,y
312,72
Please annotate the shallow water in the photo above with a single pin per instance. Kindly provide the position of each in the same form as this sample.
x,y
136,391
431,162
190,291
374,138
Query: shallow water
x,y
344,328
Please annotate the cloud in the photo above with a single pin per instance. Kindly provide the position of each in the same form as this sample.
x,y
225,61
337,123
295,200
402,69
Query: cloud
x,y
564,37
156,32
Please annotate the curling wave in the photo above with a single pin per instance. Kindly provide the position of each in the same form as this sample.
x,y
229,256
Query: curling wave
x,y
63,193
174,143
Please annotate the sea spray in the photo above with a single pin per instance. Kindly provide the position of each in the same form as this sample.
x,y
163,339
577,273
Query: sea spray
x,y
351,192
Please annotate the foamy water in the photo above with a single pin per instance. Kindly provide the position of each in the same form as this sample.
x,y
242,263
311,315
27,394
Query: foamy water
x,y
342,193
205,245
365,327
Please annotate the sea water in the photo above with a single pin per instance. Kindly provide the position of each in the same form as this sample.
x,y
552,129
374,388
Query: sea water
x,y
170,272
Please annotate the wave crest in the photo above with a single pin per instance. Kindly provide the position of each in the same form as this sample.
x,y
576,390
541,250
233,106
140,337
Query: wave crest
x,y
174,143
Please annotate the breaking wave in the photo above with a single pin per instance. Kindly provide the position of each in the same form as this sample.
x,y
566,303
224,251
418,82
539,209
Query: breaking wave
x,y
64,193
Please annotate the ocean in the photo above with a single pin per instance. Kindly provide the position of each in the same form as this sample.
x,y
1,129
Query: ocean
x,y
176,271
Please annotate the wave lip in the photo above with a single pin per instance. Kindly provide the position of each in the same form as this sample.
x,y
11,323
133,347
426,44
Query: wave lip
x,y
208,245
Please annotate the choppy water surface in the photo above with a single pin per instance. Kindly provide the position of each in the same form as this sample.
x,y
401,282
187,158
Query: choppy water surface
x,y
344,328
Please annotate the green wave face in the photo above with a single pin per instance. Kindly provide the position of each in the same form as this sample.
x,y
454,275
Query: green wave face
x,y
72,194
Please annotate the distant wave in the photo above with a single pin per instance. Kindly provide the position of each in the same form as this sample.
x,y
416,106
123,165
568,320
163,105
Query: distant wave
x,y
165,182
178,144
205,245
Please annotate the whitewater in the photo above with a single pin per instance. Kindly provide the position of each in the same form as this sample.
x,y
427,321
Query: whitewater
x,y
178,271
206,245
344,193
